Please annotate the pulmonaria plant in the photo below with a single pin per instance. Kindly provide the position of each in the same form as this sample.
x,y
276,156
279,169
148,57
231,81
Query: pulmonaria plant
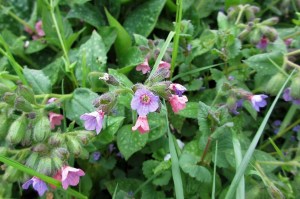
x,y
55,119
69,176
258,101
93,120
37,184
38,32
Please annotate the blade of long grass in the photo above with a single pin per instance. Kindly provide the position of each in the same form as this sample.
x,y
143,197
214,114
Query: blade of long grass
x,y
240,194
213,193
176,174
43,177
241,170
115,192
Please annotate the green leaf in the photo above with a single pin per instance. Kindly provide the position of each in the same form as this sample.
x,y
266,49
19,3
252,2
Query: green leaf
x,y
39,82
133,58
142,20
120,77
125,184
123,41
110,35
130,141
87,13
188,164
35,46
157,126
94,52
222,21
54,70
190,111
80,103
203,114
205,43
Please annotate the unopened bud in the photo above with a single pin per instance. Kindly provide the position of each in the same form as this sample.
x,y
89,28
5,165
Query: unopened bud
x,y
160,74
57,163
17,130
74,146
51,106
105,102
62,153
41,129
26,141
249,13
109,79
9,98
45,166
4,125
32,160
56,139
244,33
255,36
162,89
271,21
269,32
40,148
22,104
27,93
275,84
232,12
3,89
295,87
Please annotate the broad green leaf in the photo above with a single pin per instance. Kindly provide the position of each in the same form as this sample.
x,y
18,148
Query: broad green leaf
x,y
120,77
88,13
222,21
80,103
54,70
188,164
123,40
130,141
94,53
190,111
157,126
142,20
126,184
110,35
133,58
35,46
39,82
203,121
205,43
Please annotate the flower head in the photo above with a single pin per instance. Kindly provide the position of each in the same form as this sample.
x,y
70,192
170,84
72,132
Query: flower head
x,y
69,176
178,103
39,29
55,119
263,43
178,89
93,120
144,101
288,97
37,184
141,124
144,67
165,65
258,101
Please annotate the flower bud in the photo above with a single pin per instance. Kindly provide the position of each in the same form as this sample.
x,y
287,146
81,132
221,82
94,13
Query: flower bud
x,y
160,74
3,89
271,21
232,12
109,79
57,163
162,89
105,102
41,129
295,87
27,93
244,33
61,153
9,98
250,12
45,165
22,104
32,160
84,154
74,146
56,139
12,175
275,84
4,125
40,148
17,130
255,36
26,141
269,32
84,136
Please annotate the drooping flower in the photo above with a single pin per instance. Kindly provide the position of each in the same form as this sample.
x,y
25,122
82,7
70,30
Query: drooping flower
x,y
258,101
165,65
55,119
288,97
93,120
263,43
69,176
178,103
37,184
144,101
39,28
144,67
288,42
141,125
96,155
178,89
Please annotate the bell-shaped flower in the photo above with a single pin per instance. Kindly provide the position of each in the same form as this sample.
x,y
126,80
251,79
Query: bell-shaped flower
x,y
55,119
141,125
178,103
93,120
37,184
258,101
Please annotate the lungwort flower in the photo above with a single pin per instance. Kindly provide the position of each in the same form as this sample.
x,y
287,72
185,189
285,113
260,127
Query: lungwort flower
x,y
178,89
93,120
178,103
55,119
144,67
141,125
258,101
144,102
69,176
37,184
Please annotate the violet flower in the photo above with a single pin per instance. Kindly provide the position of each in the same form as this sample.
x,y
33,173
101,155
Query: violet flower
x,y
258,101
55,119
141,125
178,89
37,184
93,120
96,155
296,128
263,43
144,101
287,96
69,176
144,67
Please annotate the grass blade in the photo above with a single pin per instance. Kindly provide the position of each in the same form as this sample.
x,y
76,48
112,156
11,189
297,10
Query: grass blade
x,y
213,193
249,153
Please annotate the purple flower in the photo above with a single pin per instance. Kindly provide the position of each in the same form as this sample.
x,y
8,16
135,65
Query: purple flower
x,y
178,89
296,128
69,176
287,96
93,120
263,43
258,101
277,123
111,148
37,184
231,78
288,42
96,155
144,101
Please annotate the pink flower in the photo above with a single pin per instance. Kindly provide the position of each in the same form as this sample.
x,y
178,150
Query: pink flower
x,y
51,100
28,30
178,89
144,67
141,125
178,103
165,65
55,119
93,120
69,176
263,43
39,30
